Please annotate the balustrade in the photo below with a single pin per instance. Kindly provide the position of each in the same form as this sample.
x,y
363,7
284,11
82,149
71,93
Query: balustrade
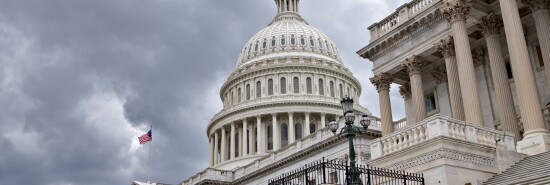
x,y
436,126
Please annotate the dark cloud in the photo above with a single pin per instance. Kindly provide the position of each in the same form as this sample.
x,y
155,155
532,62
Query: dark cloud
x,y
81,79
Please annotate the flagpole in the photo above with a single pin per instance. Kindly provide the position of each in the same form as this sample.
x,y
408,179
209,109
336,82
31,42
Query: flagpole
x,y
149,158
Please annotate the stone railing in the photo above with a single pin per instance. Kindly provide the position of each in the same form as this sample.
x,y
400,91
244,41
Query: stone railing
x,y
210,174
401,15
437,126
399,124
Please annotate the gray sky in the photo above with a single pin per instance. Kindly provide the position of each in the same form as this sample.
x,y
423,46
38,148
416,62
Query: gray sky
x,y
81,79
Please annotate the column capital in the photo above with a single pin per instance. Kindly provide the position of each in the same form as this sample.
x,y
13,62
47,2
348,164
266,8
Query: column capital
x,y
446,47
290,113
413,64
405,90
274,114
490,25
456,11
307,113
382,81
244,120
536,5
323,114
478,56
439,73
259,117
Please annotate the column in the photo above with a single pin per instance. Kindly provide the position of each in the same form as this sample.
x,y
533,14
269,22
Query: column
x,y
291,131
276,132
232,142
540,12
216,155
323,120
490,27
456,14
306,125
259,135
245,138
224,145
413,66
447,49
211,161
382,82
536,138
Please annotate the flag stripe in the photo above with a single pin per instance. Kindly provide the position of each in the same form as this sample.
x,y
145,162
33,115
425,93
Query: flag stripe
x,y
145,138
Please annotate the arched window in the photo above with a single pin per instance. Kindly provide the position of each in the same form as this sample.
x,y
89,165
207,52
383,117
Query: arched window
x,y
270,87
296,84
247,91
311,128
302,41
292,40
321,87
264,45
232,97
273,42
283,41
270,137
331,89
341,91
298,131
258,89
239,95
283,85
256,47
284,134
308,85
311,43
321,45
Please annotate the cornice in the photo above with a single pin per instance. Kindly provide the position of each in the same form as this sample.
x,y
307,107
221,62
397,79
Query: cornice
x,y
403,32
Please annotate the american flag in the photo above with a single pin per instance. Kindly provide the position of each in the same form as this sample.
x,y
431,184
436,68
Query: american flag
x,y
145,138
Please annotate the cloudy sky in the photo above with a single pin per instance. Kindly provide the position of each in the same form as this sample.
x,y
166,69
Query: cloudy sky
x,y
81,79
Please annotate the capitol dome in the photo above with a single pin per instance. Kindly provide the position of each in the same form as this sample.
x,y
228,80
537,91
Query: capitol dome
x,y
288,34
287,86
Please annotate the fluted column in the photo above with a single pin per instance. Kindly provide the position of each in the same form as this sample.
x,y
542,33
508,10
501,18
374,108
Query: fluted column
x,y
259,136
540,12
447,49
276,133
232,142
323,120
291,131
490,27
216,155
456,14
245,138
306,126
382,82
413,66
536,137
224,145
252,137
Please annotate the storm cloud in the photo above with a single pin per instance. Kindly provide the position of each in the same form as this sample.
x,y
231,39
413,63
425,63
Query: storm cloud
x,y
81,79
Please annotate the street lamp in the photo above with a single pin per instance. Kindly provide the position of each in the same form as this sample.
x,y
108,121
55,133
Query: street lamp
x,y
349,131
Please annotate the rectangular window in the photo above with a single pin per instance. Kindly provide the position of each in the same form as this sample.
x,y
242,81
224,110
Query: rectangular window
x,y
431,104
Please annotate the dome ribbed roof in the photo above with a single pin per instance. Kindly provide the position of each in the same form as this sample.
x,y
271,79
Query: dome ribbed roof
x,y
288,35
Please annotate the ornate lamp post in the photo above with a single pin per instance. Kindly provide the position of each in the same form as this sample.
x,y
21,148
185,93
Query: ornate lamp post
x,y
349,131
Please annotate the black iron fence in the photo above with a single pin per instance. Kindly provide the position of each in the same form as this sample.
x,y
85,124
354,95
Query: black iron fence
x,y
336,172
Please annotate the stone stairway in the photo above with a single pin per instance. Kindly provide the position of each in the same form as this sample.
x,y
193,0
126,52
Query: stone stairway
x,y
532,170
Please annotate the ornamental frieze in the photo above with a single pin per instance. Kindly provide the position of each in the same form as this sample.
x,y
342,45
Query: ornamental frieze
x,y
444,154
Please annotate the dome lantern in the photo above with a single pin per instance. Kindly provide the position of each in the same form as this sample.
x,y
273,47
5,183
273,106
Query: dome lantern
x,y
287,6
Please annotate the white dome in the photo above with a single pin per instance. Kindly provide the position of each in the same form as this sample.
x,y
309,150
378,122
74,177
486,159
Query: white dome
x,y
288,35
